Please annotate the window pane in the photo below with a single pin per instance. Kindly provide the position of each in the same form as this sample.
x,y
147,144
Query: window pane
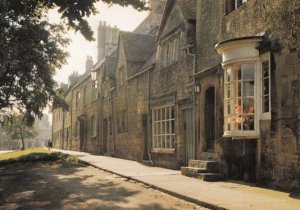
x,y
227,107
248,105
248,71
266,90
248,122
163,112
248,88
227,91
239,89
265,69
266,105
167,113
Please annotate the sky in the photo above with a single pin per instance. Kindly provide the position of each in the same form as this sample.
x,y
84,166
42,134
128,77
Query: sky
x,y
126,19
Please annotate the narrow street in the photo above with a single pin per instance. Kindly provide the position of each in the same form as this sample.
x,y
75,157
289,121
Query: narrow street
x,y
71,186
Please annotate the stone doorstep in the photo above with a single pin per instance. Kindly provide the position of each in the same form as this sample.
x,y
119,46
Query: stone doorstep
x,y
191,171
210,177
211,166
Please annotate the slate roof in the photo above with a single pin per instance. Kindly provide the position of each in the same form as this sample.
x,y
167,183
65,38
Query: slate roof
x,y
138,47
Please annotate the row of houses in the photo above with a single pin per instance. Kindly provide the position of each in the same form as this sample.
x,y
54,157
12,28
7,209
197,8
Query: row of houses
x,y
207,80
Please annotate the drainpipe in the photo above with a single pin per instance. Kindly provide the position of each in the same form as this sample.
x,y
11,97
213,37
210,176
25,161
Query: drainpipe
x,y
193,55
113,118
148,124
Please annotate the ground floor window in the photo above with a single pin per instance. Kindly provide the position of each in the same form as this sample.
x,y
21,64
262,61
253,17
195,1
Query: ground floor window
x,y
163,127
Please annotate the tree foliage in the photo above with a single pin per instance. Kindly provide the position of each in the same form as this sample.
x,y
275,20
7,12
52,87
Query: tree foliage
x,y
31,49
16,127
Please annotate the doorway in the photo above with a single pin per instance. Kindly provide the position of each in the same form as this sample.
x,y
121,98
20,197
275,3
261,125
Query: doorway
x,y
188,137
209,115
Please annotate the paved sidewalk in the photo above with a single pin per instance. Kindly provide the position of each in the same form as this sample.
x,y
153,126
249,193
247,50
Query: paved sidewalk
x,y
223,195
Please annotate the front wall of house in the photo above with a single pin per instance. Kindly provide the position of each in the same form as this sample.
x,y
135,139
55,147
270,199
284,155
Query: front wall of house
x,y
174,81
278,163
91,108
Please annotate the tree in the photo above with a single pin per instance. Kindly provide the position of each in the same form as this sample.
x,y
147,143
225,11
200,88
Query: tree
x,y
17,128
31,49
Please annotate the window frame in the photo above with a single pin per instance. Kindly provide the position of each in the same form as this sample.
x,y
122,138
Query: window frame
x,y
166,124
263,58
238,115
170,49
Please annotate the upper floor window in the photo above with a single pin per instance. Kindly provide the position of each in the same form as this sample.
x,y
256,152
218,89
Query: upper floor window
x,y
170,50
231,5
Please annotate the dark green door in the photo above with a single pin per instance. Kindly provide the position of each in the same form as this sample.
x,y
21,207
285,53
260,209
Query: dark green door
x,y
188,137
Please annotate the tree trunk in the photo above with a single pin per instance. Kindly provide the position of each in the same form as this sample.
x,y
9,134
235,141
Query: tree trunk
x,y
22,138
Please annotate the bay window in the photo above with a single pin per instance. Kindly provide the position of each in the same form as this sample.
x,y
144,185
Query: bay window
x,y
246,86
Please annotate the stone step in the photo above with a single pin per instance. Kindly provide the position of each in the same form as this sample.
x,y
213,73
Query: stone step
x,y
192,172
209,165
210,177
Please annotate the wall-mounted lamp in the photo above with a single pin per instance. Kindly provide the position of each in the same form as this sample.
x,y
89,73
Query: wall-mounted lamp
x,y
197,87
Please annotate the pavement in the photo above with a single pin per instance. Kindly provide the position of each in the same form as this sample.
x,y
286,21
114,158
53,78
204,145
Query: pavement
x,y
214,195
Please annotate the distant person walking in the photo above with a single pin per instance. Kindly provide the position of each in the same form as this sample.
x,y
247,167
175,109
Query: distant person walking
x,y
49,144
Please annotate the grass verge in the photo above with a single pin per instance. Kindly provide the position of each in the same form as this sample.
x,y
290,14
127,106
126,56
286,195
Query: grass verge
x,y
34,155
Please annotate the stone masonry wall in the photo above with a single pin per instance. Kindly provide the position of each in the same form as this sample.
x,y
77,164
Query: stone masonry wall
x,y
279,22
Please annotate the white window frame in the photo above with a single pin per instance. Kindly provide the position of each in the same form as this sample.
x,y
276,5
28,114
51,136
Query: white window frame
x,y
170,49
242,115
163,128
265,57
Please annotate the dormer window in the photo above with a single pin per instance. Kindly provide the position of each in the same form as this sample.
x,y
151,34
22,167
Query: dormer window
x,y
170,50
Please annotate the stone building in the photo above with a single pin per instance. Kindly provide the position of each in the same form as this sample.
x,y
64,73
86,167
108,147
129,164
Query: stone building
x,y
171,87
248,67
213,80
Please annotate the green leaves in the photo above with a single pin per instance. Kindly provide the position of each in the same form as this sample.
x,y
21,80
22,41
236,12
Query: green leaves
x,y
32,49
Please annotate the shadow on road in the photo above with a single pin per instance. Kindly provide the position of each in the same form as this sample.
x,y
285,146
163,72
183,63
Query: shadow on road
x,y
63,186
